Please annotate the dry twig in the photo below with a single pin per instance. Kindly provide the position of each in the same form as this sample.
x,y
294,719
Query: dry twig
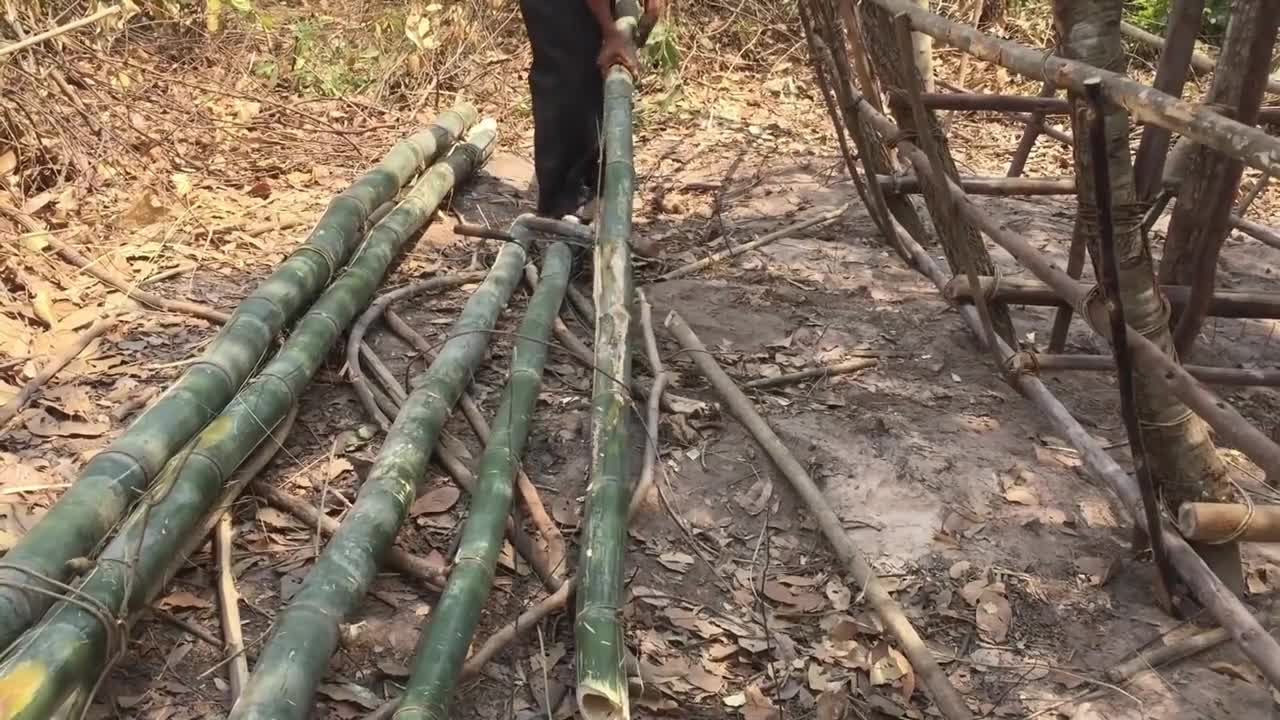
x,y
28,391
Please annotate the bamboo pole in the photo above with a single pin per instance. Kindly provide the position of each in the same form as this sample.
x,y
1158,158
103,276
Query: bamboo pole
x,y
948,700
443,647
1039,363
1201,62
1252,145
61,29
1016,291
602,685
1044,104
1227,522
1006,186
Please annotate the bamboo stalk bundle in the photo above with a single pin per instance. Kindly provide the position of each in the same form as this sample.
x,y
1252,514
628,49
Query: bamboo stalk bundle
x,y
602,684
443,648
293,660
64,655
109,483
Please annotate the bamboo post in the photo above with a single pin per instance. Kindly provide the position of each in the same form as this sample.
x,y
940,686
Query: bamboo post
x,y
1227,522
948,700
1171,74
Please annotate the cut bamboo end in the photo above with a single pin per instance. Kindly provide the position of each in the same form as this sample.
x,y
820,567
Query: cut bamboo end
x,y
597,701
1225,522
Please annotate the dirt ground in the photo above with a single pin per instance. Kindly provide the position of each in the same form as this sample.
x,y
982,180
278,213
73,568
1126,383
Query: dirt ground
x,y
1012,562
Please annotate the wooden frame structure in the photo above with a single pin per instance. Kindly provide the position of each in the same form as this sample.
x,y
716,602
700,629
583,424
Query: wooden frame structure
x,y
835,32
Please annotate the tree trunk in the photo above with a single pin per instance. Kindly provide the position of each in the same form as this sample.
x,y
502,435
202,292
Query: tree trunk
x,y
961,242
1184,461
1201,217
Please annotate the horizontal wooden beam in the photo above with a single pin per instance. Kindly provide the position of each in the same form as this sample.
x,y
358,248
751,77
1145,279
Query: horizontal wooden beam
x,y
1019,291
1241,377
1007,186
1219,522
987,102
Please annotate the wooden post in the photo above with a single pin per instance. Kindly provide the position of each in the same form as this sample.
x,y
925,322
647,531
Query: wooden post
x,y
1200,222
1030,133
1171,75
961,242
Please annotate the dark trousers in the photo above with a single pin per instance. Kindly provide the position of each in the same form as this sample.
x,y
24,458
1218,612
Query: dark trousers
x,y
568,102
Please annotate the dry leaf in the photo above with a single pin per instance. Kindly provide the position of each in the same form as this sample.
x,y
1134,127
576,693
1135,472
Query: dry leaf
x,y
278,520
756,499
1022,495
960,569
832,705
839,595
44,425
817,679
183,601
994,615
1235,671
973,590
352,693
436,501
676,561
704,680
1098,570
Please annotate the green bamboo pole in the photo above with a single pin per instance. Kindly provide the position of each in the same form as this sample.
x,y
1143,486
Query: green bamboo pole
x,y
602,681
110,483
66,653
293,661
443,647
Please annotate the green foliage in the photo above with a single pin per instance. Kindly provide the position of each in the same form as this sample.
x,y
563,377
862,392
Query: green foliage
x,y
325,64
1153,15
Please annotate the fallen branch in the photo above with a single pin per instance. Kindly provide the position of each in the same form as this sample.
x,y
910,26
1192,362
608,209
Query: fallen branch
x,y
652,418
229,608
402,562
60,30
1166,654
130,289
33,386
716,257
948,700
816,372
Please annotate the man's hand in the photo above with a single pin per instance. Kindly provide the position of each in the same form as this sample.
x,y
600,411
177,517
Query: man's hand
x,y
616,50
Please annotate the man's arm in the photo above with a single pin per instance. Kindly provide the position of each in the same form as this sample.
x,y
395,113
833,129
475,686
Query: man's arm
x,y
615,48
602,10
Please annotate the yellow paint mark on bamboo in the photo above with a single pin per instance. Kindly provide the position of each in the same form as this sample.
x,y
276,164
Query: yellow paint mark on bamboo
x,y
216,431
18,687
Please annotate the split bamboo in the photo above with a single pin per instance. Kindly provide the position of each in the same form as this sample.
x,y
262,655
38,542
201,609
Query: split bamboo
x,y
109,483
602,683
